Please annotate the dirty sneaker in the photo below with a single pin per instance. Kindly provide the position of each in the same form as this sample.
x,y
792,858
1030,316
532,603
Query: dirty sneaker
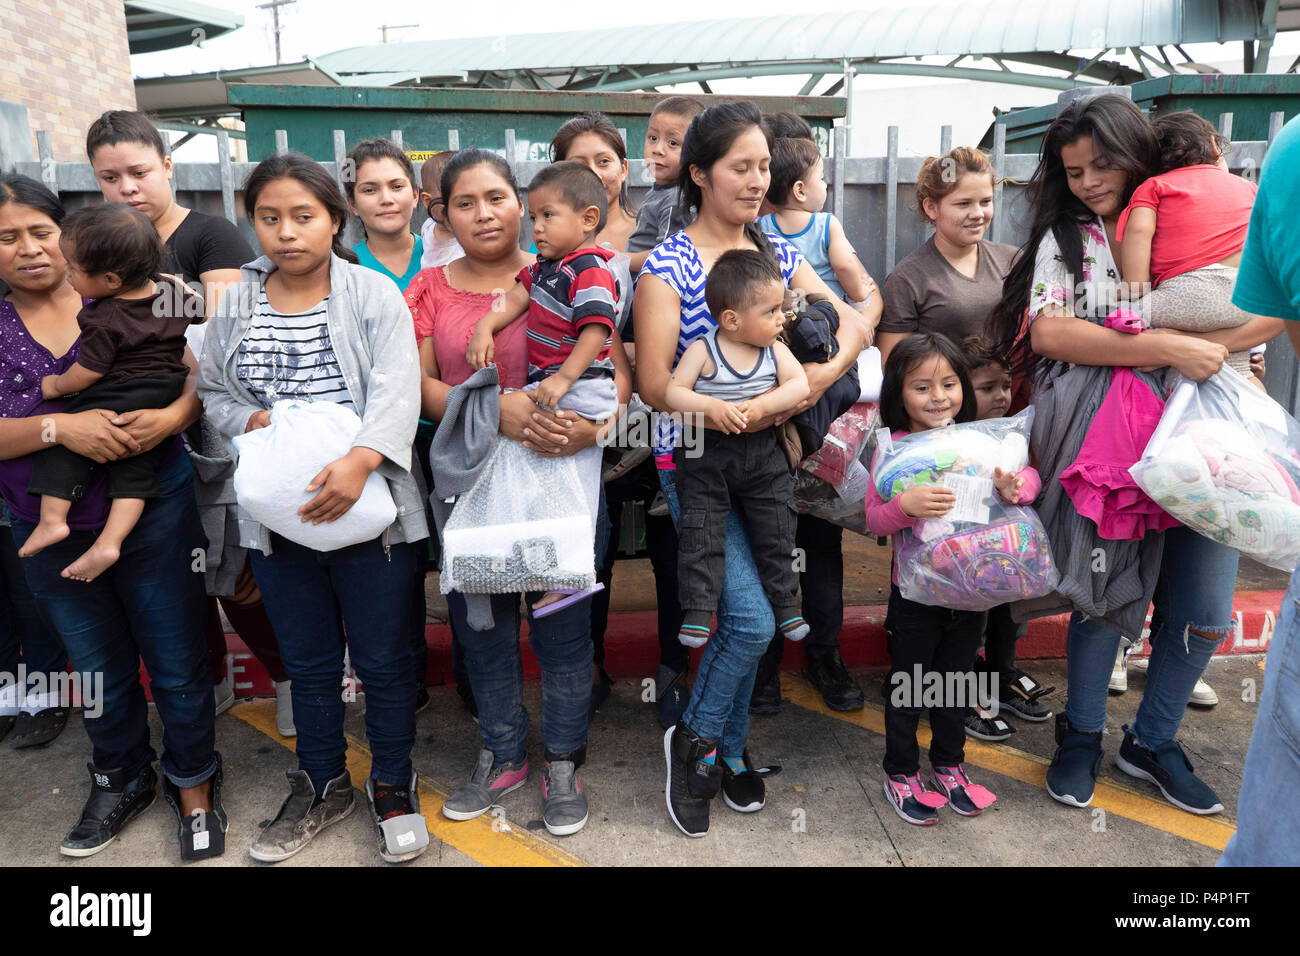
x,y
485,787
403,834
564,805
302,816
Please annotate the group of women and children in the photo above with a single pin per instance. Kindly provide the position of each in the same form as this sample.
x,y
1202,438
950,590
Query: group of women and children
x,y
127,542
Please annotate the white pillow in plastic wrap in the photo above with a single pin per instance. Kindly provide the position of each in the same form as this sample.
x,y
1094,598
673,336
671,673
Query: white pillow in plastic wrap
x,y
278,462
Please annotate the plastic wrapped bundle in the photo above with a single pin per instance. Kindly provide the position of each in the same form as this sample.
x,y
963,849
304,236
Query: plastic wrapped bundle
x,y
277,462
1224,462
985,551
832,483
524,526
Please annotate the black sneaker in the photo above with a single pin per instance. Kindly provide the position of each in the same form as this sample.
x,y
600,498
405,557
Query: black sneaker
x,y
987,728
766,698
1170,770
1022,695
421,700
113,803
1072,776
745,792
7,724
831,678
691,782
38,729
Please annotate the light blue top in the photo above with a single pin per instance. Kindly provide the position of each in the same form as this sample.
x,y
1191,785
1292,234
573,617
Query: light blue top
x,y
1268,278
370,262
814,241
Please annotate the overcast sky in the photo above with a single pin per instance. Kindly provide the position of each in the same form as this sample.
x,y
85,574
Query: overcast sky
x,y
919,106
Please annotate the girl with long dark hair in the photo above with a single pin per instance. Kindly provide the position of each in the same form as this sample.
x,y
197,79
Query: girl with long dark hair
x,y
1055,299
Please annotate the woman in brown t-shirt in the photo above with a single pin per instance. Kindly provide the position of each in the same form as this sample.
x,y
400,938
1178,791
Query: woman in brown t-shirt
x,y
952,281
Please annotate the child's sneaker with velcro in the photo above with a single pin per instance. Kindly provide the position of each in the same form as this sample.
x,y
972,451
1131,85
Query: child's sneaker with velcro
x,y
968,799
911,801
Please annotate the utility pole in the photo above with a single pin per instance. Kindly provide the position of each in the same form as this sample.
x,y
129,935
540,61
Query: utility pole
x,y
383,31
274,6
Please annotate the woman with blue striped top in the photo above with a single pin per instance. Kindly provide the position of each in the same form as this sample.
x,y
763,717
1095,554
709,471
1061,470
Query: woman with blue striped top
x,y
725,176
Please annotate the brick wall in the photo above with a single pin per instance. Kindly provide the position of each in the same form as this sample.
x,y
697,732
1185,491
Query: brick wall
x,y
66,61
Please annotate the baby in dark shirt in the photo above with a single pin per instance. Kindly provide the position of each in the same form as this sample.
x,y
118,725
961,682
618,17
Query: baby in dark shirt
x,y
132,348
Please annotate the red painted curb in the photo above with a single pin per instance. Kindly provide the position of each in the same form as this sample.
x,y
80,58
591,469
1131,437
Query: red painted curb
x,y
632,647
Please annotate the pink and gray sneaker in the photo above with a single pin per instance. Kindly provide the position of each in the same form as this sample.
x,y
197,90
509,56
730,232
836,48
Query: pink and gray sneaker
x,y
485,787
911,801
968,799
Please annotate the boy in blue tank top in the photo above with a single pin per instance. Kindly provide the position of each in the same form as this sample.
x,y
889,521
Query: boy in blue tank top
x,y
797,192
737,373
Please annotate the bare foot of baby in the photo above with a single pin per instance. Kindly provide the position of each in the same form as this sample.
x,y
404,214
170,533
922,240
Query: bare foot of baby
x,y
97,559
42,537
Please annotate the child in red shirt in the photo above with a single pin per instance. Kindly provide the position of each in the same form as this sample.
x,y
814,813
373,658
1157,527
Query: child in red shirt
x,y
1183,231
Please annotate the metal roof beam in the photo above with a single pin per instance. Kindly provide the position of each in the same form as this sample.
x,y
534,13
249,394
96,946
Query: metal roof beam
x,y
789,68
1105,71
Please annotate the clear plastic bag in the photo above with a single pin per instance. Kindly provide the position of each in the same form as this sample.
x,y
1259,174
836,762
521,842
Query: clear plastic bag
x,y
832,483
524,526
985,551
1224,462
277,462
843,443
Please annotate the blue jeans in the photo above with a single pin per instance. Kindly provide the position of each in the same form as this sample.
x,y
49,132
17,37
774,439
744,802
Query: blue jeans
x,y
719,704
1194,590
1270,785
151,604
311,598
561,642
25,637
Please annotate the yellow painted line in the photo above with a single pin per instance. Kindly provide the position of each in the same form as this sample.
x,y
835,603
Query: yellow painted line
x,y
1029,768
478,839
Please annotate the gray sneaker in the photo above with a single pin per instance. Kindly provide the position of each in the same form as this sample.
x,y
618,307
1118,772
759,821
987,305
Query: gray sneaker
x,y
564,805
485,787
302,816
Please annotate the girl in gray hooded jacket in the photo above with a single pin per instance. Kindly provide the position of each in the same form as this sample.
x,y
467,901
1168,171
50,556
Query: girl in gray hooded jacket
x,y
307,323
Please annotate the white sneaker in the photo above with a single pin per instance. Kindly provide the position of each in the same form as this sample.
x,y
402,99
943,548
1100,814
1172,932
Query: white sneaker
x,y
224,694
1119,676
1203,695
284,709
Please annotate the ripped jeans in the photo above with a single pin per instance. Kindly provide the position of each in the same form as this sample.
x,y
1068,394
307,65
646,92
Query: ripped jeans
x,y
1195,590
